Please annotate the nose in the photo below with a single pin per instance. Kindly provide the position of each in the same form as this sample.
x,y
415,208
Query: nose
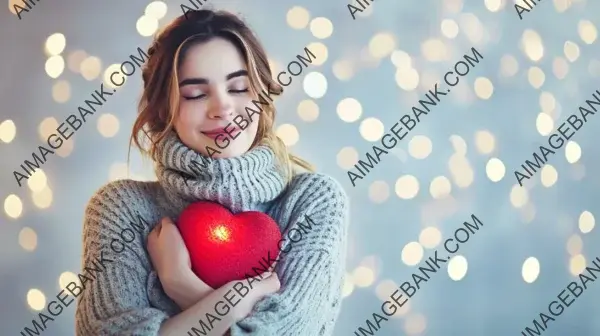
x,y
221,106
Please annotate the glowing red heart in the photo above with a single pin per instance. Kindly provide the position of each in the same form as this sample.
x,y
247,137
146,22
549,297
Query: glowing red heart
x,y
224,247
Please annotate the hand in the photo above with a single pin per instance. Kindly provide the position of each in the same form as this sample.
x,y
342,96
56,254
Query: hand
x,y
266,284
172,263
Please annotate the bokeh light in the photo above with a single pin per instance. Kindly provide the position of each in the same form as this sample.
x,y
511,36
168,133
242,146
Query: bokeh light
x,y
321,27
308,110
457,267
36,299
586,222
28,239
349,110
13,206
146,25
55,65
156,10
288,133
412,253
530,270
298,17
108,125
55,44
8,131
363,276
407,187
90,67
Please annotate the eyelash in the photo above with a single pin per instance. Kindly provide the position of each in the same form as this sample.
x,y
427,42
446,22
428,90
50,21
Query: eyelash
x,y
203,95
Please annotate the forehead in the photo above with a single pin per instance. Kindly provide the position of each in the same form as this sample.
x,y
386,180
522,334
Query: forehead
x,y
212,60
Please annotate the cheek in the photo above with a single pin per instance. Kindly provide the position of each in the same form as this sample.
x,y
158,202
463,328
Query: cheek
x,y
191,114
252,128
242,102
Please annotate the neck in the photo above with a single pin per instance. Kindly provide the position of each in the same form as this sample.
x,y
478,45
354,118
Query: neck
x,y
239,183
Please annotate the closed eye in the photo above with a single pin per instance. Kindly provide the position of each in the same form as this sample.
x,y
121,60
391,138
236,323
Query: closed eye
x,y
195,98
204,95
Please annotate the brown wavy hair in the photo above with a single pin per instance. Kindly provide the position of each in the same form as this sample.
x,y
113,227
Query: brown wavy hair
x,y
159,104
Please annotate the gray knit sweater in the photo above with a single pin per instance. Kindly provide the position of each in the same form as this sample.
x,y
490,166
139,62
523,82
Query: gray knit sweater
x,y
126,297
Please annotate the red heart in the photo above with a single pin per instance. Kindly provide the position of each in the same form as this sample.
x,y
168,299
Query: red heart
x,y
224,247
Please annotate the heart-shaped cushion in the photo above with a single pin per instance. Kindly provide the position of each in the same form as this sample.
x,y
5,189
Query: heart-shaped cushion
x,y
224,247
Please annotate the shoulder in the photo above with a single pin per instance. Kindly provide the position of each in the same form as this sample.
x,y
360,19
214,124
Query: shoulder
x,y
317,183
317,191
116,193
123,199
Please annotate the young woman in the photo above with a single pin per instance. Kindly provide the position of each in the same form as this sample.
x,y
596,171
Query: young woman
x,y
202,73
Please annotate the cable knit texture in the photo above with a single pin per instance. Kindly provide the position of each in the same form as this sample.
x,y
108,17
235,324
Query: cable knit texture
x,y
127,297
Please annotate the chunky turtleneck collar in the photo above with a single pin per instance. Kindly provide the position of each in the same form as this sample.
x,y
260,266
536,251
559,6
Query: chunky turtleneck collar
x,y
240,183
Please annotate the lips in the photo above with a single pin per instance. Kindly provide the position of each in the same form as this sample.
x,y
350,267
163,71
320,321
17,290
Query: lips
x,y
214,133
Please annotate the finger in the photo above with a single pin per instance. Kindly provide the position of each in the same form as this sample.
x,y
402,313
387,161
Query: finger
x,y
166,222
272,283
151,236
272,268
168,227
171,232
157,228
263,275
270,278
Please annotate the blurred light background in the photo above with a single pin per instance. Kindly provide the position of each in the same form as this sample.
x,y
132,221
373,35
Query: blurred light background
x,y
368,73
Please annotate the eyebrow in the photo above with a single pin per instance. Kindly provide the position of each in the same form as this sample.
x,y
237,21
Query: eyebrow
x,y
199,80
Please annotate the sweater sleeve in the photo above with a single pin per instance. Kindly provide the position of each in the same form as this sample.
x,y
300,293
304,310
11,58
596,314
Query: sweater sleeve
x,y
312,271
115,301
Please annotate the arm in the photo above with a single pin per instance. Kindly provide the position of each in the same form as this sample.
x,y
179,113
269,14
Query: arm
x,y
186,289
222,304
115,301
183,322
312,271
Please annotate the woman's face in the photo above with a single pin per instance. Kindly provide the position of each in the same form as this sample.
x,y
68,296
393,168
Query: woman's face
x,y
214,90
